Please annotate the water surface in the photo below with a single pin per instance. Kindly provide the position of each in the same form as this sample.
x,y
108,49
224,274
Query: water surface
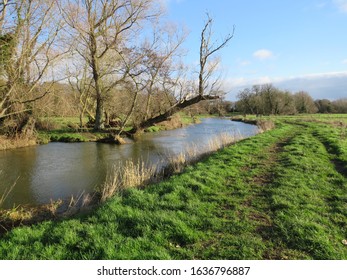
x,y
59,170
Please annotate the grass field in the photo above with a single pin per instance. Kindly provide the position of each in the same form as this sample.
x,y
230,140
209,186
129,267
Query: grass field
x,y
278,195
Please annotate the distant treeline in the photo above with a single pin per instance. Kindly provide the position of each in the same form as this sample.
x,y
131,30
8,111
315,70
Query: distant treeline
x,y
269,100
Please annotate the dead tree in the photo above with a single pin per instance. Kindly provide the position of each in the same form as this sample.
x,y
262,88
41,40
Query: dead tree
x,y
207,84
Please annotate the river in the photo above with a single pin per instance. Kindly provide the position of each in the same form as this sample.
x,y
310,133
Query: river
x,y
60,170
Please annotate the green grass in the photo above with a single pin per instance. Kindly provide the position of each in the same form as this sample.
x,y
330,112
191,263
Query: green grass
x,y
279,195
153,129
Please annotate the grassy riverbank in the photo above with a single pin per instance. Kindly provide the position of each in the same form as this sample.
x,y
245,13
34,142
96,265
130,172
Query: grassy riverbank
x,y
67,129
279,195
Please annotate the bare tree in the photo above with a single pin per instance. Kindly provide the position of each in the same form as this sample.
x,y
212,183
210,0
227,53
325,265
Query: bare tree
x,y
160,55
28,35
101,30
207,84
208,66
81,85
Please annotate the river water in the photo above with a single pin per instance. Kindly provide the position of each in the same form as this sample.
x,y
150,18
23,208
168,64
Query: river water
x,y
59,170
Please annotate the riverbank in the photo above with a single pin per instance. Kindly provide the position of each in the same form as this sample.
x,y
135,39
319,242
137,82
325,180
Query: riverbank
x,y
278,195
67,130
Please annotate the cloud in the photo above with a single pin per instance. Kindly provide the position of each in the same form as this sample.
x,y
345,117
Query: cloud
x,y
244,63
332,85
344,61
263,54
341,5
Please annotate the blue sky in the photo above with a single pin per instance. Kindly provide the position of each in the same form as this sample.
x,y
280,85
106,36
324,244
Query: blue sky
x,y
294,44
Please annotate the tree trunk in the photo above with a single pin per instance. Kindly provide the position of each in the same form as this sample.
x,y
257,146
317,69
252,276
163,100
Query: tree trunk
x,y
174,109
99,122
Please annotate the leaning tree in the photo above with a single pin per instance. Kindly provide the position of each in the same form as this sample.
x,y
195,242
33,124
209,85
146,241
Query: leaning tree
x,y
208,85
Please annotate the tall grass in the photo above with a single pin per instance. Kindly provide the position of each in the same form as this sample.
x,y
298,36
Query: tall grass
x,y
223,140
7,192
125,176
136,175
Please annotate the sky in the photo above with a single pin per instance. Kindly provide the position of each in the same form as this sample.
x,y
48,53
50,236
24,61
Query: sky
x,y
293,44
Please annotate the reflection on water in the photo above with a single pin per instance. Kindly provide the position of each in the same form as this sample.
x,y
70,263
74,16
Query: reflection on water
x,y
59,170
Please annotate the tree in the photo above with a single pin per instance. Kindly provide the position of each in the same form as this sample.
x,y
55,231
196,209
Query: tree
x,y
304,103
159,59
208,85
102,31
340,106
324,106
81,85
248,102
28,32
266,100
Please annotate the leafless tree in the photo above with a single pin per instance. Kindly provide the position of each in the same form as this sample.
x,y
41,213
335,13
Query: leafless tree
x,y
28,43
207,84
81,85
160,58
102,30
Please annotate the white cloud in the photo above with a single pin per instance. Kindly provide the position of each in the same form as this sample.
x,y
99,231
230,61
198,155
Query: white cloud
x,y
263,54
341,4
244,63
344,61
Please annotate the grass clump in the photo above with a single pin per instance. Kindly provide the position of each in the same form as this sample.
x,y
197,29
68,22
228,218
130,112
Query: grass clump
x,y
126,176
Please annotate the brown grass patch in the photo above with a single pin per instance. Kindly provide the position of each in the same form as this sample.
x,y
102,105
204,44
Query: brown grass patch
x,y
126,176
265,125
172,123
16,142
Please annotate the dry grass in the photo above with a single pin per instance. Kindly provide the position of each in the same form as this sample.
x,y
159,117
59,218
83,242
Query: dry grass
x,y
223,140
78,203
27,215
17,142
7,192
176,163
126,176
265,125
137,174
173,122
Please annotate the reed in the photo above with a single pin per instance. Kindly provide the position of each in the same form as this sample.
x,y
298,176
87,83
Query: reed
x,y
7,192
111,186
176,163
129,175
76,204
223,140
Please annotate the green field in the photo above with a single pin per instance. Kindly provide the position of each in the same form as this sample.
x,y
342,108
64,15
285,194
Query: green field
x,y
278,195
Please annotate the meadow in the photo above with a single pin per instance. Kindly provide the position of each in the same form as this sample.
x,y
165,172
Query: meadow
x,y
281,194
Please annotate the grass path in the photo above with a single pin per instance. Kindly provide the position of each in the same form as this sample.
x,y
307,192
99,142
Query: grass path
x,y
278,195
